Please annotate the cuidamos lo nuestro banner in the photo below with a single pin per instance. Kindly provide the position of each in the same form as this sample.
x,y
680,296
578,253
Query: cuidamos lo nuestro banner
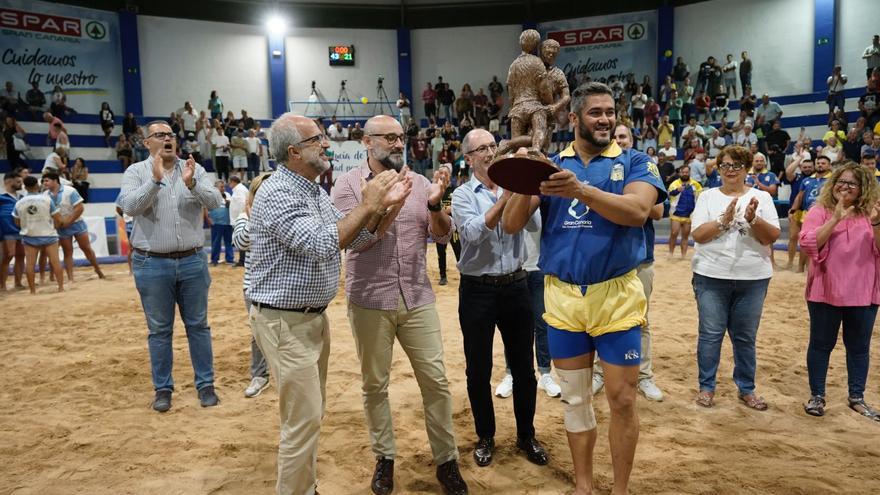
x,y
603,46
74,48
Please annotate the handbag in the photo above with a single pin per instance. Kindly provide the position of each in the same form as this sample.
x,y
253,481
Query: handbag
x,y
19,144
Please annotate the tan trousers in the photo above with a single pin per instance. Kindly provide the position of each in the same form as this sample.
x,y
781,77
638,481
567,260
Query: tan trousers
x,y
418,331
645,273
296,347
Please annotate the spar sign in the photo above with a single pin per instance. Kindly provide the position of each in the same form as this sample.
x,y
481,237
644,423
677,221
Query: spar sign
x,y
605,45
61,47
52,26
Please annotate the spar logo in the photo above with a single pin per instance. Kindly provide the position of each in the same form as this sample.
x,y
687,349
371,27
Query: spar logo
x,y
600,35
47,25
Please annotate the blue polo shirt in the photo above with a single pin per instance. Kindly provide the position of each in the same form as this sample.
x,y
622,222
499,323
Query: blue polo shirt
x,y
579,246
812,186
767,179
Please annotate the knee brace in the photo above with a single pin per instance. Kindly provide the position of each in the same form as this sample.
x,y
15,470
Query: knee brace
x,y
577,395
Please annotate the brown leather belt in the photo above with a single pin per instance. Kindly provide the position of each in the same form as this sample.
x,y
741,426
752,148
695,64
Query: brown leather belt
x,y
176,255
497,280
308,309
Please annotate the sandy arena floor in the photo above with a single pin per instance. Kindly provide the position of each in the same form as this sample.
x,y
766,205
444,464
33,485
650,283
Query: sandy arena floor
x,y
76,416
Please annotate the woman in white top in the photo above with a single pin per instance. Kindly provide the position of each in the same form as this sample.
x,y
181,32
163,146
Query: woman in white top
x,y
734,229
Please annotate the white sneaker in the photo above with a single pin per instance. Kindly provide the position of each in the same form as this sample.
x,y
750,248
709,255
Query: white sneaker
x,y
258,384
650,390
547,384
598,383
505,388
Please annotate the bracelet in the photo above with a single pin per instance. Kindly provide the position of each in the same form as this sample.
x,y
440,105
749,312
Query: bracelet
x,y
754,220
435,208
722,226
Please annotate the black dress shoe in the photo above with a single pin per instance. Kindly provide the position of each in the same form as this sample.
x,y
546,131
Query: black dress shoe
x,y
208,397
534,451
383,477
483,451
450,478
162,401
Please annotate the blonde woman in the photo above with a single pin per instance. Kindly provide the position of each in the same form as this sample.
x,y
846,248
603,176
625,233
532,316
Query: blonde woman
x,y
242,240
841,236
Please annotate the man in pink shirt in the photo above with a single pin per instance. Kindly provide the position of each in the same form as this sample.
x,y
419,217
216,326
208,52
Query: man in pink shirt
x,y
390,296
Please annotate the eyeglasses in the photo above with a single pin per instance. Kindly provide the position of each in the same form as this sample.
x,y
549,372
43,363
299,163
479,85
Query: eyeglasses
x,y
391,138
734,166
484,148
161,135
314,139
847,184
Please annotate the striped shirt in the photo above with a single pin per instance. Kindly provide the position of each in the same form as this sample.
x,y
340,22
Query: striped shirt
x,y
167,216
241,239
295,243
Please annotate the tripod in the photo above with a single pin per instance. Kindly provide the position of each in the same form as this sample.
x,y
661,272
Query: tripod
x,y
381,101
344,100
316,100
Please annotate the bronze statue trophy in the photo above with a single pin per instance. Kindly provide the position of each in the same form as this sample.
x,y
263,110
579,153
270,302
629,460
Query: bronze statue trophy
x,y
538,93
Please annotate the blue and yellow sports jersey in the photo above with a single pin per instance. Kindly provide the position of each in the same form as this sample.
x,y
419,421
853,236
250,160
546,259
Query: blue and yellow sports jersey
x,y
767,178
811,187
580,247
796,184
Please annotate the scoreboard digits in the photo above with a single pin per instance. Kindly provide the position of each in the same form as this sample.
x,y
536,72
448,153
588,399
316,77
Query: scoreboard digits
x,y
342,55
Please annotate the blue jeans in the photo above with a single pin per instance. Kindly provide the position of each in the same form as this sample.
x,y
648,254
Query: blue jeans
x,y
733,306
221,233
858,323
542,349
162,284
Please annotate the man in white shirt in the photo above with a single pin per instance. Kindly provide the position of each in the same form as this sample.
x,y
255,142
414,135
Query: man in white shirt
x,y
692,126
836,82
254,152
872,55
188,117
221,154
746,137
337,133
237,204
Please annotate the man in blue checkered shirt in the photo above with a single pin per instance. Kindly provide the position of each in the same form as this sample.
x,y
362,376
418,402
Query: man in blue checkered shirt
x,y
296,238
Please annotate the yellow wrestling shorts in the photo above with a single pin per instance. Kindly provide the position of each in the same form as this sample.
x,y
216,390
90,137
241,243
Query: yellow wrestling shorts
x,y
680,219
611,306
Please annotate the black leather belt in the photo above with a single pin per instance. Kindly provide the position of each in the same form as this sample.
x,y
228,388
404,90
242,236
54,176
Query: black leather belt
x,y
176,255
308,309
497,280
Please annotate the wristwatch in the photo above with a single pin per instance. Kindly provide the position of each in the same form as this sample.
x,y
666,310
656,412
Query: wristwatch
x,y
435,208
193,185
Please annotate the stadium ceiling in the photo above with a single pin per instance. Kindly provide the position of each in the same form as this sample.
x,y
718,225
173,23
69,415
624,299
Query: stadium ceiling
x,y
379,14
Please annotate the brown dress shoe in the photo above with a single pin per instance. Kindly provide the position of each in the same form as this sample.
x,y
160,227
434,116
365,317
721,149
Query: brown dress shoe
x,y
450,478
383,477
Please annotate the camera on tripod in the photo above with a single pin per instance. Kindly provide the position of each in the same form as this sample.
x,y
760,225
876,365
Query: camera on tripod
x,y
380,80
343,82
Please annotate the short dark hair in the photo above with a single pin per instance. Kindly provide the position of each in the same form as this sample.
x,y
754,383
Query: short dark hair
x,y
579,96
156,122
235,178
52,176
10,176
30,182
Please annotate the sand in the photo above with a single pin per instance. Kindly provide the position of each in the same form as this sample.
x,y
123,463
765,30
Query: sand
x,y
75,414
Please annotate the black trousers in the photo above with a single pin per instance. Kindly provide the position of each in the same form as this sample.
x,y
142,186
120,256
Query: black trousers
x,y
480,308
441,254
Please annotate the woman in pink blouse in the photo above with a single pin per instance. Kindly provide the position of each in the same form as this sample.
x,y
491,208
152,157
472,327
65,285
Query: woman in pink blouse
x,y
841,236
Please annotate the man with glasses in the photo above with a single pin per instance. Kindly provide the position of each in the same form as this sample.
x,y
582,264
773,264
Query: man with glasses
x,y
390,298
297,235
165,196
594,210
494,292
